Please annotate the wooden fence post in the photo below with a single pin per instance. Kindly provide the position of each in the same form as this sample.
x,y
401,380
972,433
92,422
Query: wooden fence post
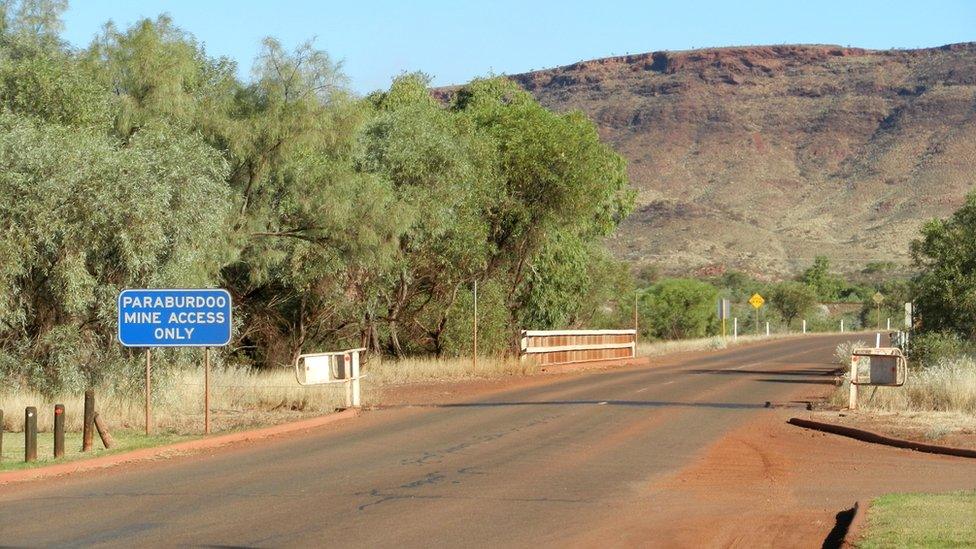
x,y
103,432
58,431
88,425
30,434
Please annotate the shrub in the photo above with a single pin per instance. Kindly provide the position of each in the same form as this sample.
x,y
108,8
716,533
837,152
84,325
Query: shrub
x,y
927,349
678,308
792,300
842,354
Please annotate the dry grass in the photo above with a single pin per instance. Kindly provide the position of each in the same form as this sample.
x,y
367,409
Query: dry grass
x,y
419,370
242,397
949,386
843,352
239,398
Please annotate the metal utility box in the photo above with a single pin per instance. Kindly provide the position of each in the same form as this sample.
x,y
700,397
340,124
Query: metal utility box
x,y
335,367
878,366
316,369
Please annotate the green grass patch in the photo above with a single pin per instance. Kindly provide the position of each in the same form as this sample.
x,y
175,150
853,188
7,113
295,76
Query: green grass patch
x,y
124,441
921,520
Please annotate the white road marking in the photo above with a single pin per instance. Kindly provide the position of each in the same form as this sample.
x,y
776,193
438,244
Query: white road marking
x,y
601,403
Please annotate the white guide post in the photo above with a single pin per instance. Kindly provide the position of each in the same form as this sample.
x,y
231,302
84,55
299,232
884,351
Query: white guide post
x,y
804,326
735,329
842,325
354,384
852,397
889,323
877,341
767,329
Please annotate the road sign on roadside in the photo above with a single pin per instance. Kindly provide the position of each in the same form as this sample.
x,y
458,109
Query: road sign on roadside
x,y
174,318
878,298
756,301
723,308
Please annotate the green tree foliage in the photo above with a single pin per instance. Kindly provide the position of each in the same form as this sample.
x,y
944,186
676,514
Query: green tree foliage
x,y
151,214
818,277
945,287
333,220
677,308
792,300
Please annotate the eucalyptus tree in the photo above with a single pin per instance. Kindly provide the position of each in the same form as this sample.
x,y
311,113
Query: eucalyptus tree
x,y
84,217
560,188
440,169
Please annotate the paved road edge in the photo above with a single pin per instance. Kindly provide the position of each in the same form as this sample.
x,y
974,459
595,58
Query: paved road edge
x,y
190,446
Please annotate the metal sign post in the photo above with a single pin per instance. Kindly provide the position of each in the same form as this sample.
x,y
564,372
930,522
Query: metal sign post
x,y
148,390
723,314
757,301
175,318
206,390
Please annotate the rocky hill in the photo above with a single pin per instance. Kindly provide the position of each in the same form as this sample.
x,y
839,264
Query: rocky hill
x,y
759,158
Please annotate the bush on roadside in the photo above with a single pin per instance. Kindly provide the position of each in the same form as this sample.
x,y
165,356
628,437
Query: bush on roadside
x,y
927,349
678,308
842,354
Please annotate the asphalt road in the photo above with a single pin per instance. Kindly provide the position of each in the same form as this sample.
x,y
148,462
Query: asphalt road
x,y
542,464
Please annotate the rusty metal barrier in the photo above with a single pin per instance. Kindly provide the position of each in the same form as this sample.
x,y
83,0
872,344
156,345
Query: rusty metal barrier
x,y
565,346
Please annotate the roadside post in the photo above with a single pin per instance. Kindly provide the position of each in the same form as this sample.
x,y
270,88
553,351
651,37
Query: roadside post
x,y
723,314
878,299
158,317
804,326
1,436
58,431
88,421
474,342
636,296
735,329
757,301
842,325
767,329
889,324
30,434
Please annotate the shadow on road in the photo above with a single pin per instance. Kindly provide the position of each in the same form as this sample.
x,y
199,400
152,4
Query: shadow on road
x,y
633,403
804,372
800,381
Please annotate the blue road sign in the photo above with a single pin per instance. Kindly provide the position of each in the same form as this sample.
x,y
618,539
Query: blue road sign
x,y
174,318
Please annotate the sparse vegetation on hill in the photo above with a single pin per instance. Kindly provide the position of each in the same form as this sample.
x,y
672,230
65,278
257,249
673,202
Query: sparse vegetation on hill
x,y
759,158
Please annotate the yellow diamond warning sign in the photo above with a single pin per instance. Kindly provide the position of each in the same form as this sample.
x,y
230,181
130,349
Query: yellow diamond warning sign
x,y
756,301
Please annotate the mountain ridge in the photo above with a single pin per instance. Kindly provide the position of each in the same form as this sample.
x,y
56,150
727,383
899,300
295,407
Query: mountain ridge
x,y
758,158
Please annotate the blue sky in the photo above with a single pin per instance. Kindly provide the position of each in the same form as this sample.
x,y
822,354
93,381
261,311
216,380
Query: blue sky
x,y
454,41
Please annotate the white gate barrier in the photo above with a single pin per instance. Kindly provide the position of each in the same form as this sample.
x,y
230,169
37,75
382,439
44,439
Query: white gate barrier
x,y
565,346
332,368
